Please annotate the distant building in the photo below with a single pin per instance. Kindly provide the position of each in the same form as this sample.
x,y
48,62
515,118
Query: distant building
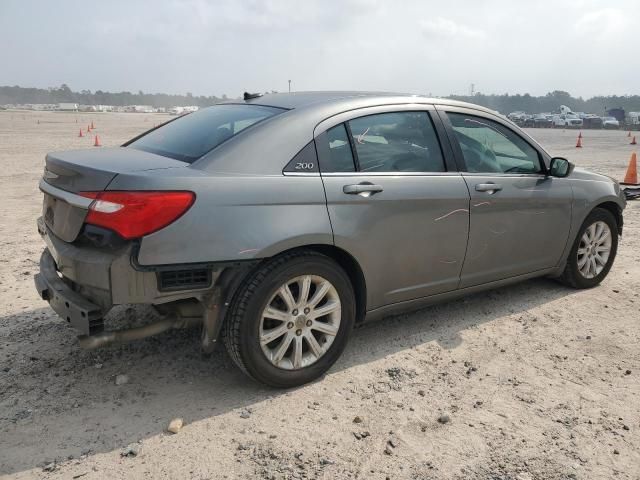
x,y
183,110
67,107
139,108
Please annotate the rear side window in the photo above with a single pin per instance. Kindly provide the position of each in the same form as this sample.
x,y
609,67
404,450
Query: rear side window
x,y
386,142
396,142
190,137
334,151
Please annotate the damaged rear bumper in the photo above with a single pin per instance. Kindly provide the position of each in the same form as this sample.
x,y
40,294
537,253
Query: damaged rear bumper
x,y
70,305
82,283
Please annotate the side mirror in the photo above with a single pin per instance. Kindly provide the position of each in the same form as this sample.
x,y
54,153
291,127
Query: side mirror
x,y
560,167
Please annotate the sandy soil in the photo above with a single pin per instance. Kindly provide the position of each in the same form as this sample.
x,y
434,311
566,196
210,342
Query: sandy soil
x,y
533,381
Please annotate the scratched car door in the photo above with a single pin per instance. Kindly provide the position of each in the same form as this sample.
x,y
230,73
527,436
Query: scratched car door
x,y
395,202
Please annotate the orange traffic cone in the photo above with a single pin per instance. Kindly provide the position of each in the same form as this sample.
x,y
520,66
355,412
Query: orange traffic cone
x,y
81,134
629,133
633,141
88,128
92,127
97,142
579,144
631,178
580,134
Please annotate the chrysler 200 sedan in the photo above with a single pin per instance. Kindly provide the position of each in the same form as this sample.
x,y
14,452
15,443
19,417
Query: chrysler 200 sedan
x,y
280,222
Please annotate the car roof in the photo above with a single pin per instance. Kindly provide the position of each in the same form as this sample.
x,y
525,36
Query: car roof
x,y
338,99
264,145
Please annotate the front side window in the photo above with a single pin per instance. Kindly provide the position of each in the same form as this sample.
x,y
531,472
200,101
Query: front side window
x,y
192,136
488,147
396,142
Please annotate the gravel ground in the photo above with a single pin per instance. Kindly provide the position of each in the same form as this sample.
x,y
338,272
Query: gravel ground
x,y
533,381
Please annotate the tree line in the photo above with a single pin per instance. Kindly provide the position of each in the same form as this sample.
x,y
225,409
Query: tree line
x,y
63,94
551,102
504,103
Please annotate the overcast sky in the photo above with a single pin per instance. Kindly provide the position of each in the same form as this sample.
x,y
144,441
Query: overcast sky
x,y
586,47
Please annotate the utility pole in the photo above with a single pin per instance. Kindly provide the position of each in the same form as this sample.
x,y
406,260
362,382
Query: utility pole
x,y
289,86
471,90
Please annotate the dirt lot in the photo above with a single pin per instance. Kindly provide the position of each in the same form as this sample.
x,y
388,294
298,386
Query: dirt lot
x,y
536,381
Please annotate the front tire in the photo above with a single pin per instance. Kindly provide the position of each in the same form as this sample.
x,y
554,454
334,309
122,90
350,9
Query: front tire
x,y
593,251
291,319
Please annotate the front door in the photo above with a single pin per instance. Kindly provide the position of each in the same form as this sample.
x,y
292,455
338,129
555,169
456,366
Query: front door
x,y
520,217
394,204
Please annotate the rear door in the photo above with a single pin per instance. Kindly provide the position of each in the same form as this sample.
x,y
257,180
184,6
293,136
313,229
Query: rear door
x,y
520,217
395,200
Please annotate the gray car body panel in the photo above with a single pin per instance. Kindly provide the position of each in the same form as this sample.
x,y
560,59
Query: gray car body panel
x,y
79,170
590,190
520,229
259,212
410,240
235,217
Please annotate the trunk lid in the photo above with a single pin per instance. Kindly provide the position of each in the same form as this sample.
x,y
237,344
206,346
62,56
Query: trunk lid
x,y
68,173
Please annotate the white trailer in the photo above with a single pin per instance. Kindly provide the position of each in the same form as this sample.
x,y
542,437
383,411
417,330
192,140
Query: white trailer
x,y
67,107
633,118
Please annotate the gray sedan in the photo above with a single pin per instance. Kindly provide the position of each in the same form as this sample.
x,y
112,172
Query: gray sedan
x,y
280,222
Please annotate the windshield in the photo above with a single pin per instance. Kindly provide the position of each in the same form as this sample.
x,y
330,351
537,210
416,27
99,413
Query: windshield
x,y
190,137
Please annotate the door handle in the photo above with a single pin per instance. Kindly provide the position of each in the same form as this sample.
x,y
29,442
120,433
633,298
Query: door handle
x,y
364,189
490,188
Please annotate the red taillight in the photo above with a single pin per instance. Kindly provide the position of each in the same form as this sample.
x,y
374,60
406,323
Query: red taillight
x,y
136,214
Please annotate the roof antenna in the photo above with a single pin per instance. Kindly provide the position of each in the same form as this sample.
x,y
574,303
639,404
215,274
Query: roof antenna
x,y
249,96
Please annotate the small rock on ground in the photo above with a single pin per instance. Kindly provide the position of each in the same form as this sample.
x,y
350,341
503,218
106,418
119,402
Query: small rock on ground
x,y
131,450
175,425
444,418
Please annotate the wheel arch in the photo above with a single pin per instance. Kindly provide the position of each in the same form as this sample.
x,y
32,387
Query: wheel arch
x,y
342,258
615,210
353,271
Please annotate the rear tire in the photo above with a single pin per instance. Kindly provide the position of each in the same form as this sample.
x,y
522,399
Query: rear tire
x,y
577,273
260,311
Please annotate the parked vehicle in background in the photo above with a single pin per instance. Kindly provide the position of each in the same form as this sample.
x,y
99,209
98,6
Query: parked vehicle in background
x,y
592,121
633,120
542,121
610,123
516,117
284,220
568,120
617,113
573,121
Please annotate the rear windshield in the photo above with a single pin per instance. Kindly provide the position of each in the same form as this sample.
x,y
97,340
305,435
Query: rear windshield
x,y
188,138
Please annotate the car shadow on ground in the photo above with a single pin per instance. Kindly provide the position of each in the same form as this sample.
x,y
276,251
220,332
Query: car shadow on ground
x,y
58,401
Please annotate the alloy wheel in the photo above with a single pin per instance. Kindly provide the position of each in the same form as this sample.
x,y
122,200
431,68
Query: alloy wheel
x,y
300,322
594,249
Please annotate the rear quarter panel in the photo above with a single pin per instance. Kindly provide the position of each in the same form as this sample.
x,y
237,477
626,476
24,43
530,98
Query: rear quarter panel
x,y
234,217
